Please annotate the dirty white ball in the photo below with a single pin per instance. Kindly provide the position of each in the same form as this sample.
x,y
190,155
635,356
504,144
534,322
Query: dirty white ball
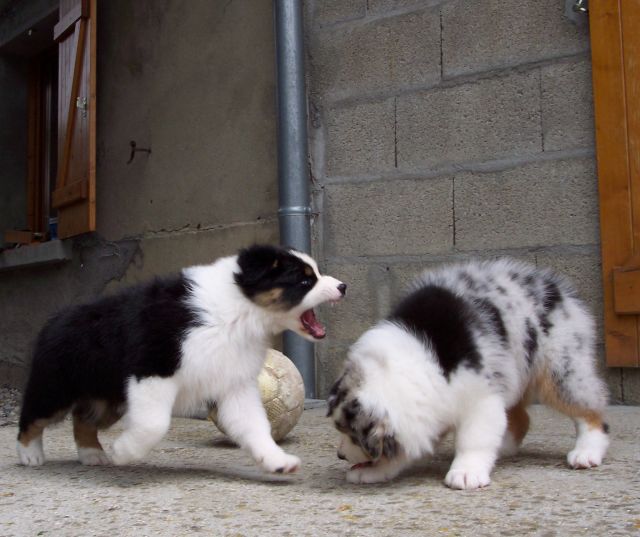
x,y
282,393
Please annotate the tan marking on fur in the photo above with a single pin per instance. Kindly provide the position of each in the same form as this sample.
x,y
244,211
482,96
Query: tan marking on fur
x,y
308,271
518,421
268,298
548,393
35,429
595,421
32,432
108,418
85,434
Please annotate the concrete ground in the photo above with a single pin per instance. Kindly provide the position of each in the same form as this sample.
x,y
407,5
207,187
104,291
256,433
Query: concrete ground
x,y
195,482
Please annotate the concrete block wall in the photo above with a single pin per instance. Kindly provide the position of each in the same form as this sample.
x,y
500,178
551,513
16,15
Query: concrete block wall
x,y
442,130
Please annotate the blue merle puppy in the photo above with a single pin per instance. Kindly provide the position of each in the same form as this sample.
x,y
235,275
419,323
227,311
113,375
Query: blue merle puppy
x,y
468,349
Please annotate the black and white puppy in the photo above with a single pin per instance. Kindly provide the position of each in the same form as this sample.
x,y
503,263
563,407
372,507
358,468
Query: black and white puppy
x,y
466,350
171,345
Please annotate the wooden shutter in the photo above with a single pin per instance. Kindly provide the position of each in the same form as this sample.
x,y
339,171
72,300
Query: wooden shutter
x,y
615,50
75,192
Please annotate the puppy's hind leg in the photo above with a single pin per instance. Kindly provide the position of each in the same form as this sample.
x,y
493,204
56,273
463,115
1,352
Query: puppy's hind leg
x,y
85,433
583,398
30,449
37,413
478,438
244,419
592,441
147,420
517,428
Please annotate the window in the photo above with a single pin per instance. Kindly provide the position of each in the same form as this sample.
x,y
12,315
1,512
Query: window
x,y
59,73
42,145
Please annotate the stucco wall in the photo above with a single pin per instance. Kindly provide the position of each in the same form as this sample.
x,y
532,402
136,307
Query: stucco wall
x,y
194,81
443,130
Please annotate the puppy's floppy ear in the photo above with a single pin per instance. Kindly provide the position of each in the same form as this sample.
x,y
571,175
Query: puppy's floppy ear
x,y
389,446
255,263
370,439
376,440
336,396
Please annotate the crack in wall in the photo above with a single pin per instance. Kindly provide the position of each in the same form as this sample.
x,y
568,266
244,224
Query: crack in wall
x,y
453,209
187,229
441,46
540,100
395,132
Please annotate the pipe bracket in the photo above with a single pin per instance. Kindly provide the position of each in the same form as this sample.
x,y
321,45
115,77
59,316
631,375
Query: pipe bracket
x,y
294,210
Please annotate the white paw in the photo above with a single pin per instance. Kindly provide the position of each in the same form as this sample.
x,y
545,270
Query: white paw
x,y
509,446
280,463
584,458
369,474
126,451
93,457
31,455
467,479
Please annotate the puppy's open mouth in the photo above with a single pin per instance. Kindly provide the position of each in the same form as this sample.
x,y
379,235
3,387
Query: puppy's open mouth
x,y
311,325
362,465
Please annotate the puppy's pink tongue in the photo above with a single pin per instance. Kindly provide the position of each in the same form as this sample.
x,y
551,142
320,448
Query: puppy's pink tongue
x,y
311,324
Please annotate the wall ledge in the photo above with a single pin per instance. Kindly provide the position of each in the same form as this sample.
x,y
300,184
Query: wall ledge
x,y
47,253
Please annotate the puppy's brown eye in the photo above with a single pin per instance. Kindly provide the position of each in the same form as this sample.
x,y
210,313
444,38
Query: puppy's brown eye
x,y
341,427
306,283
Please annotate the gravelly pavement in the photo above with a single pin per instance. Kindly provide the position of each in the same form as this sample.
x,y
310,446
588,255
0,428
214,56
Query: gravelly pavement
x,y
195,482
9,401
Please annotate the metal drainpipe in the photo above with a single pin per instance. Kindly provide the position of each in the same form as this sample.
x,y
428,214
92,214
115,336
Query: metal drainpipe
x,y
293,174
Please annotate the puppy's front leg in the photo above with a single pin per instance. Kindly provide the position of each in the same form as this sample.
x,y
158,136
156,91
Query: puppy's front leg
x,y
478,439
244,419
147,419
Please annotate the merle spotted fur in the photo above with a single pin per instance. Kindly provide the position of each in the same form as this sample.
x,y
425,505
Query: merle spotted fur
x,y
468,348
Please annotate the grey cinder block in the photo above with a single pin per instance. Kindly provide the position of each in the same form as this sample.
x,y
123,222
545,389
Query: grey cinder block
x,y
330,357
383,54
486,34
389,218
544,203
360,138
567,106
631,386
381,6
585,271
367,299
332,11
489,119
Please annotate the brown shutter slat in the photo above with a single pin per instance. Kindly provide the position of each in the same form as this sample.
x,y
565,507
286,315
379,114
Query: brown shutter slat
x,y
74,196
78,55
67,23
73,193
626,291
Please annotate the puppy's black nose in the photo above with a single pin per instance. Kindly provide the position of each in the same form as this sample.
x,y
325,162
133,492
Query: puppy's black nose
x,y
342,288
340,455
